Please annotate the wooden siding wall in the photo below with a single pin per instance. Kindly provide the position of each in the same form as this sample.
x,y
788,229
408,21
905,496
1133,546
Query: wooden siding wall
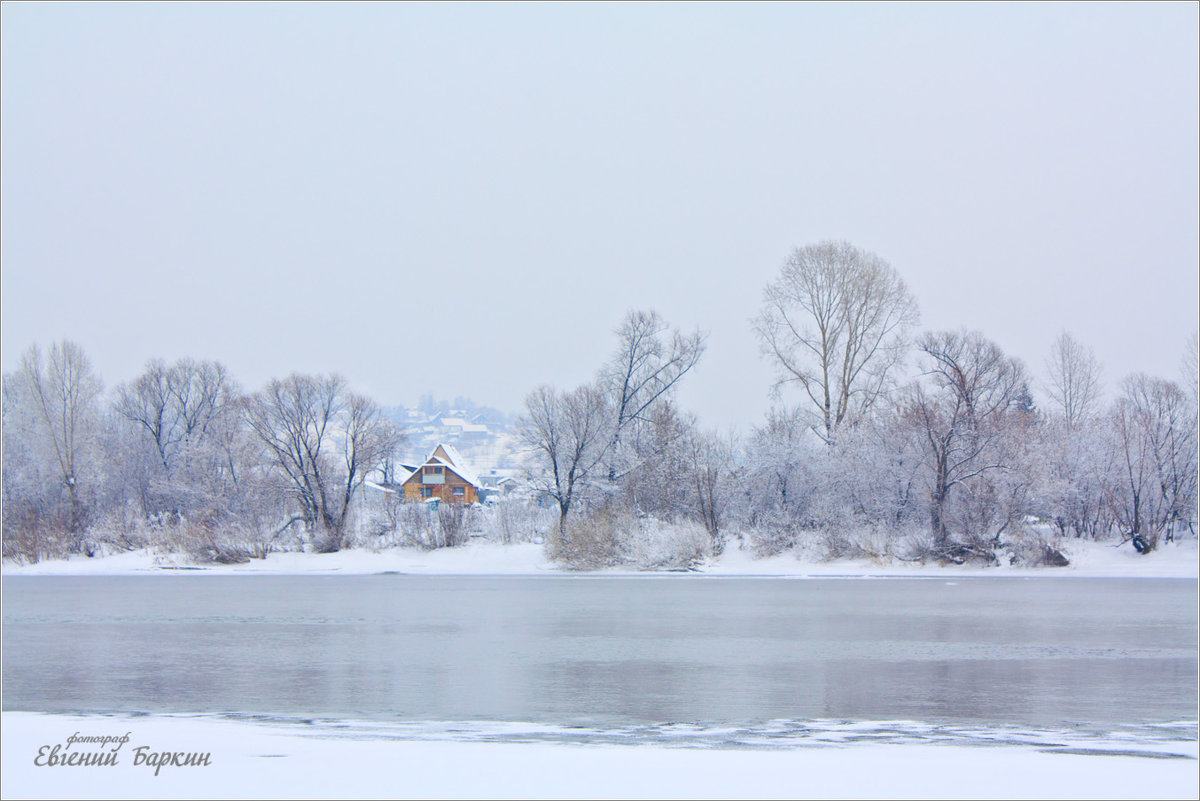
x,y
412,489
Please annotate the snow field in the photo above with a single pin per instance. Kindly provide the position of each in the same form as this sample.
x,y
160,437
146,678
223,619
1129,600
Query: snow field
x,y
257,760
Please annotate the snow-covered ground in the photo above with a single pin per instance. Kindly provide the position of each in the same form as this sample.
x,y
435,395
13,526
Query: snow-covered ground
x,y
1088,559
257,759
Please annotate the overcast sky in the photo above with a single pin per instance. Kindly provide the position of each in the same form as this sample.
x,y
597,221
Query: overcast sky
x,y
466,199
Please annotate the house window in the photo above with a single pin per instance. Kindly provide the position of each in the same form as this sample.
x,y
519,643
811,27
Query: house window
x,y
433,471
426,492
460,492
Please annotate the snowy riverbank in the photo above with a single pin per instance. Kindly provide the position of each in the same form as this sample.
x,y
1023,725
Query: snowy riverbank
x,y
1088,560
255,759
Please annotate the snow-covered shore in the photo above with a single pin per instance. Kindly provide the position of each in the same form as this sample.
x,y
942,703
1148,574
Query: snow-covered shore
x,y
247,759
1088,560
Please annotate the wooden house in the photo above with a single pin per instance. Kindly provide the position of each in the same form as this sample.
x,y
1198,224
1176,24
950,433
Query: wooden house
x,y
443,476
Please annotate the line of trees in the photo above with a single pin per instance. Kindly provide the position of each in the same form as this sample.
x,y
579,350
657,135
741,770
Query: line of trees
x,y
903,444
898,444
182,457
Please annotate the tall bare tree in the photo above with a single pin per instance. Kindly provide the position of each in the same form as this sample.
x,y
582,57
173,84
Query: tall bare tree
x,y
1075,453
1156,428
187,415
835,322
569,434
777,485
324,440
1074,380
650,360
711,462
589,437
660,449
965,417
1190,368
64,389
175,405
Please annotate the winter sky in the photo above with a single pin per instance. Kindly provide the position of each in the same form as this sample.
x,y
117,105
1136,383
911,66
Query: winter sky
x,y
465,199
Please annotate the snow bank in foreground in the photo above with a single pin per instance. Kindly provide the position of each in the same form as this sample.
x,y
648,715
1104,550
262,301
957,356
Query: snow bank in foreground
x,y
1088,559
252,760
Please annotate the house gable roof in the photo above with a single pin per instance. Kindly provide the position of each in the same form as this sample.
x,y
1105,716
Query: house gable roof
x,y
446,456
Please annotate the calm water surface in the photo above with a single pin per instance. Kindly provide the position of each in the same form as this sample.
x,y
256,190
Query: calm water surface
x,y
606,651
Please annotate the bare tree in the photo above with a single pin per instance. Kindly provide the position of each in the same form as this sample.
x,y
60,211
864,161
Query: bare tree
x,y
187,415
33,525
1073,487
1074,384
569,434
1157,433
660,449
964,418
710,459
64,391
1190,368
649,362
176,407
306,423
778,485
595,432
875,475
835,322
144,402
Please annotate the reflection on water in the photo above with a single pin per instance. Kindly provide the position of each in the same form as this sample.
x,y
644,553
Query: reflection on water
x,y
610,652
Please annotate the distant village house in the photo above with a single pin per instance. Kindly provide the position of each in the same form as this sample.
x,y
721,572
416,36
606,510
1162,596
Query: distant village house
x,y
444,476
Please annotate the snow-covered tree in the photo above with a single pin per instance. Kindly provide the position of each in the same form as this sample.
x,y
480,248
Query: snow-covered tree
x,y
618,439
1077,458
55,405
875,475
184,416
1078,468
323,440
1189,367
835,322
779,480
650,360
711,466
1074,380
659,447
568,434
1156,430
36,505
970,416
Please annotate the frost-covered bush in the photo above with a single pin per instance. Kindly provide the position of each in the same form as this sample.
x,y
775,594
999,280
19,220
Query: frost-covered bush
x,y
589,542
514,521
923,546
208,537
220,546
1033,546
608,538
856,541
651,544
122,528
30,537
915,545
771,538
430,526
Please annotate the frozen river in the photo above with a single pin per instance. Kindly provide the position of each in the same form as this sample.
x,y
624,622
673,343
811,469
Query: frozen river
x,y
609,654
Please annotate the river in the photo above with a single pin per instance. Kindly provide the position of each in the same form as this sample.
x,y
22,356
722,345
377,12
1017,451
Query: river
x,y
606,653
